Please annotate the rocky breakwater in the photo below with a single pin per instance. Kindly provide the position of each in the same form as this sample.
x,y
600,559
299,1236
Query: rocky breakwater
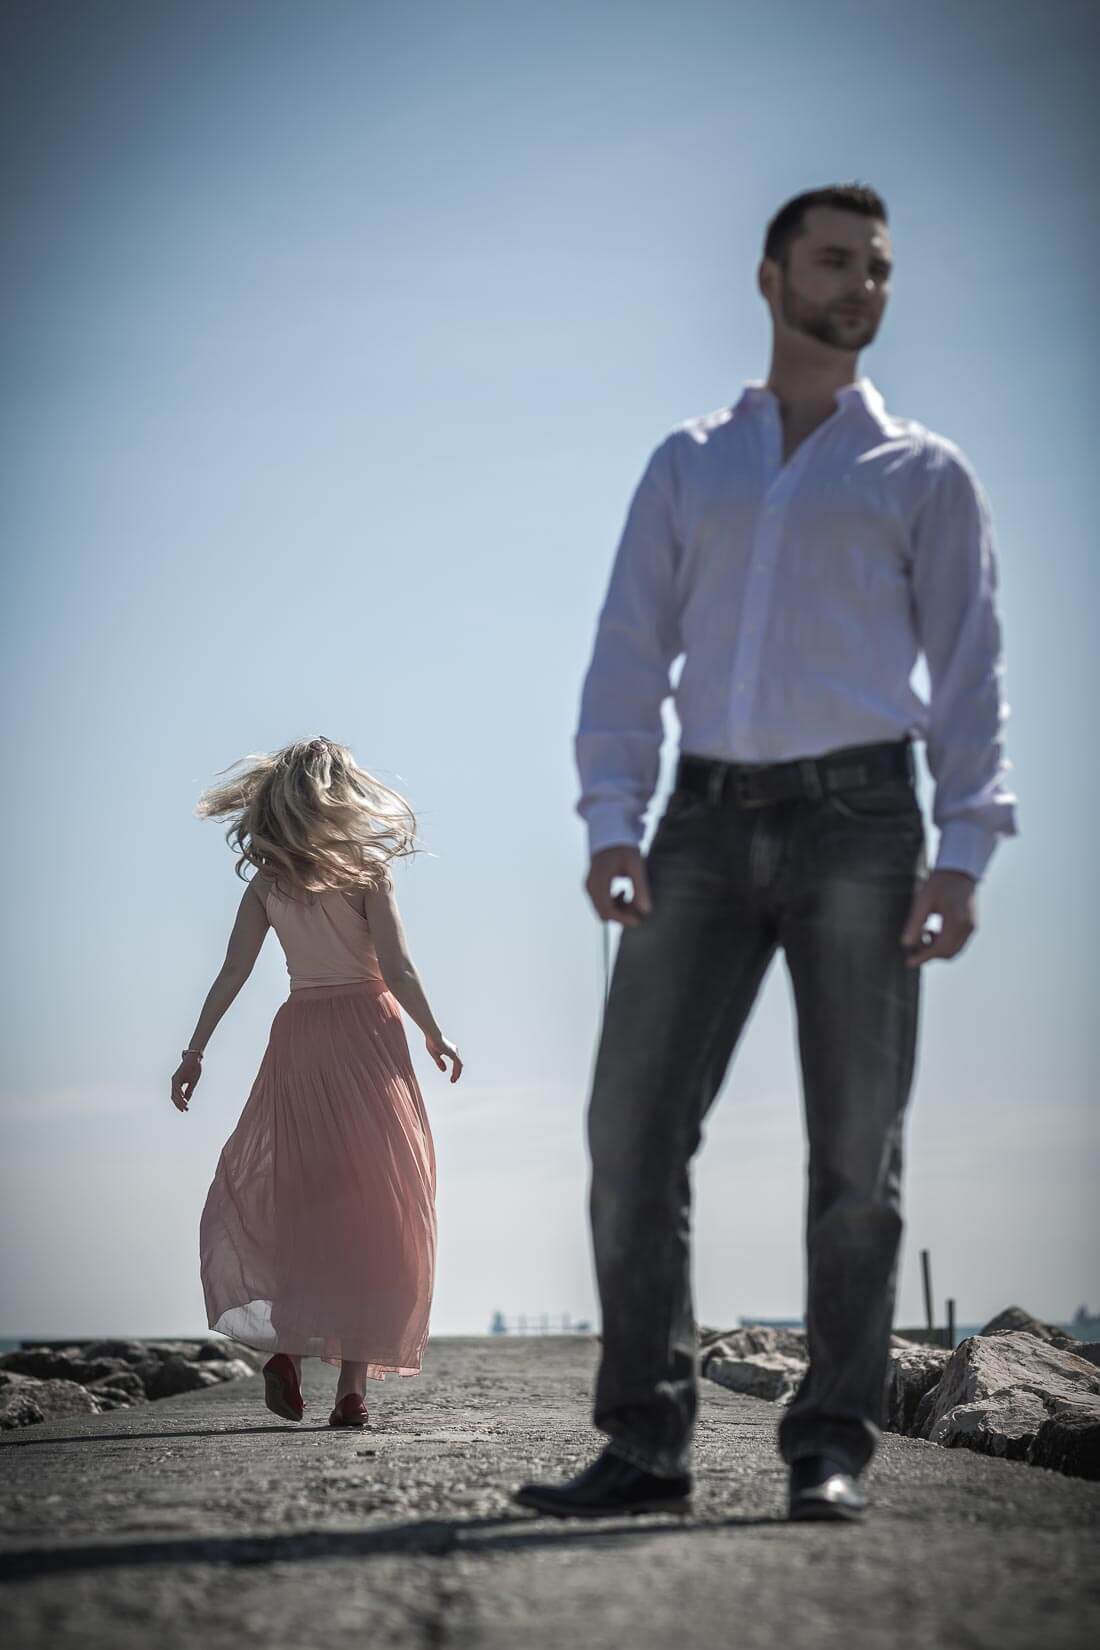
x,y
42,1383
769,1363
757,1360
1020,1388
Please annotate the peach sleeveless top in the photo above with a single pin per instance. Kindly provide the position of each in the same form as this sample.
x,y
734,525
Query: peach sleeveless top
x,y
326,941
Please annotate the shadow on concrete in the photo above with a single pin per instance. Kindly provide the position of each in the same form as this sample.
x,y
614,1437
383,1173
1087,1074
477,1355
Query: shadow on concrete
x,y
18,1440
429,1538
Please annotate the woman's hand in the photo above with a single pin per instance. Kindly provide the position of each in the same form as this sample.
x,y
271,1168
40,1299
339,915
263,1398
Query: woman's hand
x,y
441,1051
184,1078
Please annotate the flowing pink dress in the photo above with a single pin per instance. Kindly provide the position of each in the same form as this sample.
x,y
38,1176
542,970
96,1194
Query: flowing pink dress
x,y
318,1233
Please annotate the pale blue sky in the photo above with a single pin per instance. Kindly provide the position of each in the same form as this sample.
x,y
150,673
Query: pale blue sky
x,y
335,338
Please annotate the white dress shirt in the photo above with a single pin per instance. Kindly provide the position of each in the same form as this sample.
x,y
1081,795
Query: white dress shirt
x,y
801,596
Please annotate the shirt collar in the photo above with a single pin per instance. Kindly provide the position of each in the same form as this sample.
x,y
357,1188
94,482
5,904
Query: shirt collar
x,y
860,395
864,394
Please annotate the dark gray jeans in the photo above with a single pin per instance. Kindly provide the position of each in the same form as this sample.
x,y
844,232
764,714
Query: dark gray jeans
x,y
830,881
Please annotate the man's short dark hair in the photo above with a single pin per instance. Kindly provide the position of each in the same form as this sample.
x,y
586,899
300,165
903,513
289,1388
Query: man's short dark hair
x,y
787,224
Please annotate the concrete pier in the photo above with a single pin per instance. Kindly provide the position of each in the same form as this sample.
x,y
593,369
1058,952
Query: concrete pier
x,y
204,1522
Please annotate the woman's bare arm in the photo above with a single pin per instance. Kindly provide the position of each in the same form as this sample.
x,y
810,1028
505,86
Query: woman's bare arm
x,y
399,972
249,931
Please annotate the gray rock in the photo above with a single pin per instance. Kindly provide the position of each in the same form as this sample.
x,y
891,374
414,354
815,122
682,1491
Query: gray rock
x,y
228,1369
38,1382
1069,1441
127,1352
148,1371
46,1364
763,1362
998,1391
107,1400
250,1355
17,1405
213,1351
1014,1320
751,1340
174,1375
1089,1350
914,1371
757,1374
67,1349
757,1359
86,1370
1004,1424
123,1387
57,1398
158,1367
172,1349
51,1398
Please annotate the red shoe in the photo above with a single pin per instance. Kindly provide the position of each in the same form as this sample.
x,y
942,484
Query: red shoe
x,y
282,1394
351,1411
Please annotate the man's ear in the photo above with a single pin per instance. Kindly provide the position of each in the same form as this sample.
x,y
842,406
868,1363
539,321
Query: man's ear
x,y
765,279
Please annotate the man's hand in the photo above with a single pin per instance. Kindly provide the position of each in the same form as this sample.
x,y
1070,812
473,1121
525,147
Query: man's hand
x,y
949,895
608,865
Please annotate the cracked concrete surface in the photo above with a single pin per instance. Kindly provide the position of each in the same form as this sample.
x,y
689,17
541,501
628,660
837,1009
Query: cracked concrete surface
x,y
205,1520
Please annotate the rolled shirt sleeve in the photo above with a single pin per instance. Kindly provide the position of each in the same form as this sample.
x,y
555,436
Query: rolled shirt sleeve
x,y
619,732
954,581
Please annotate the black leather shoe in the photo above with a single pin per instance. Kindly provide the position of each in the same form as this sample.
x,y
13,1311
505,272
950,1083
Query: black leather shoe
x,y
609,1486
823,1488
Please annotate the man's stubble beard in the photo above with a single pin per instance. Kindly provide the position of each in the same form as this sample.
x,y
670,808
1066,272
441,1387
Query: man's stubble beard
x,y
814,322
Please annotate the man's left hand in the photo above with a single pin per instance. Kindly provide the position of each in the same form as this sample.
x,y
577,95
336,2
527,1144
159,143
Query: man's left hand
x,y
951,896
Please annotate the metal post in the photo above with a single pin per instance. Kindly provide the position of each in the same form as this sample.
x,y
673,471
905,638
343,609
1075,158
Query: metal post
x,y
926,1269
951,1326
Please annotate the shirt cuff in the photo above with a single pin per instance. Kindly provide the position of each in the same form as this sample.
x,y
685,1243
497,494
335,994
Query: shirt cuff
x,y
611,825
965,846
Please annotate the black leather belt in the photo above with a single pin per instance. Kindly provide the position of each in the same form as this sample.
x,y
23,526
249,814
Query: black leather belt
x,y
755,784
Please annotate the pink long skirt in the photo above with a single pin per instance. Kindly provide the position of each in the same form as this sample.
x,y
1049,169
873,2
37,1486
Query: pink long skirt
x,y
318,1233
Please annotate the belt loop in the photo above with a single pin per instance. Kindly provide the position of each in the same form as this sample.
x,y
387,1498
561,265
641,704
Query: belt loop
x,y
716,783
811,778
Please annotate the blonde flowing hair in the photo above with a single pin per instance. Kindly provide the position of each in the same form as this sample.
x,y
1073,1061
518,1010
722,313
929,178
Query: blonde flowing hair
x,y
312,818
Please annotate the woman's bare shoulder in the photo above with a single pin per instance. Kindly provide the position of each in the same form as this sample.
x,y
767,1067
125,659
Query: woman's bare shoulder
x,y
381,897
381,885
261,885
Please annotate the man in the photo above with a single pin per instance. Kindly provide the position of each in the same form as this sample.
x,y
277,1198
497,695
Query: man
x,y
801,549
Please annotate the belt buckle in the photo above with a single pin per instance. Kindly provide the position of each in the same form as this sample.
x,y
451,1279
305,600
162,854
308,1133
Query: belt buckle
x,y
742,782
851,778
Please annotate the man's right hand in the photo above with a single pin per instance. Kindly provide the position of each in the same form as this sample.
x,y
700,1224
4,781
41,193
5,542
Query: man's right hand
x,y
607,866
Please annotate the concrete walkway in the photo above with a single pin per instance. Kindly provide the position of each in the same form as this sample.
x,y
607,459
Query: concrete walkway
x,y
203,1522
